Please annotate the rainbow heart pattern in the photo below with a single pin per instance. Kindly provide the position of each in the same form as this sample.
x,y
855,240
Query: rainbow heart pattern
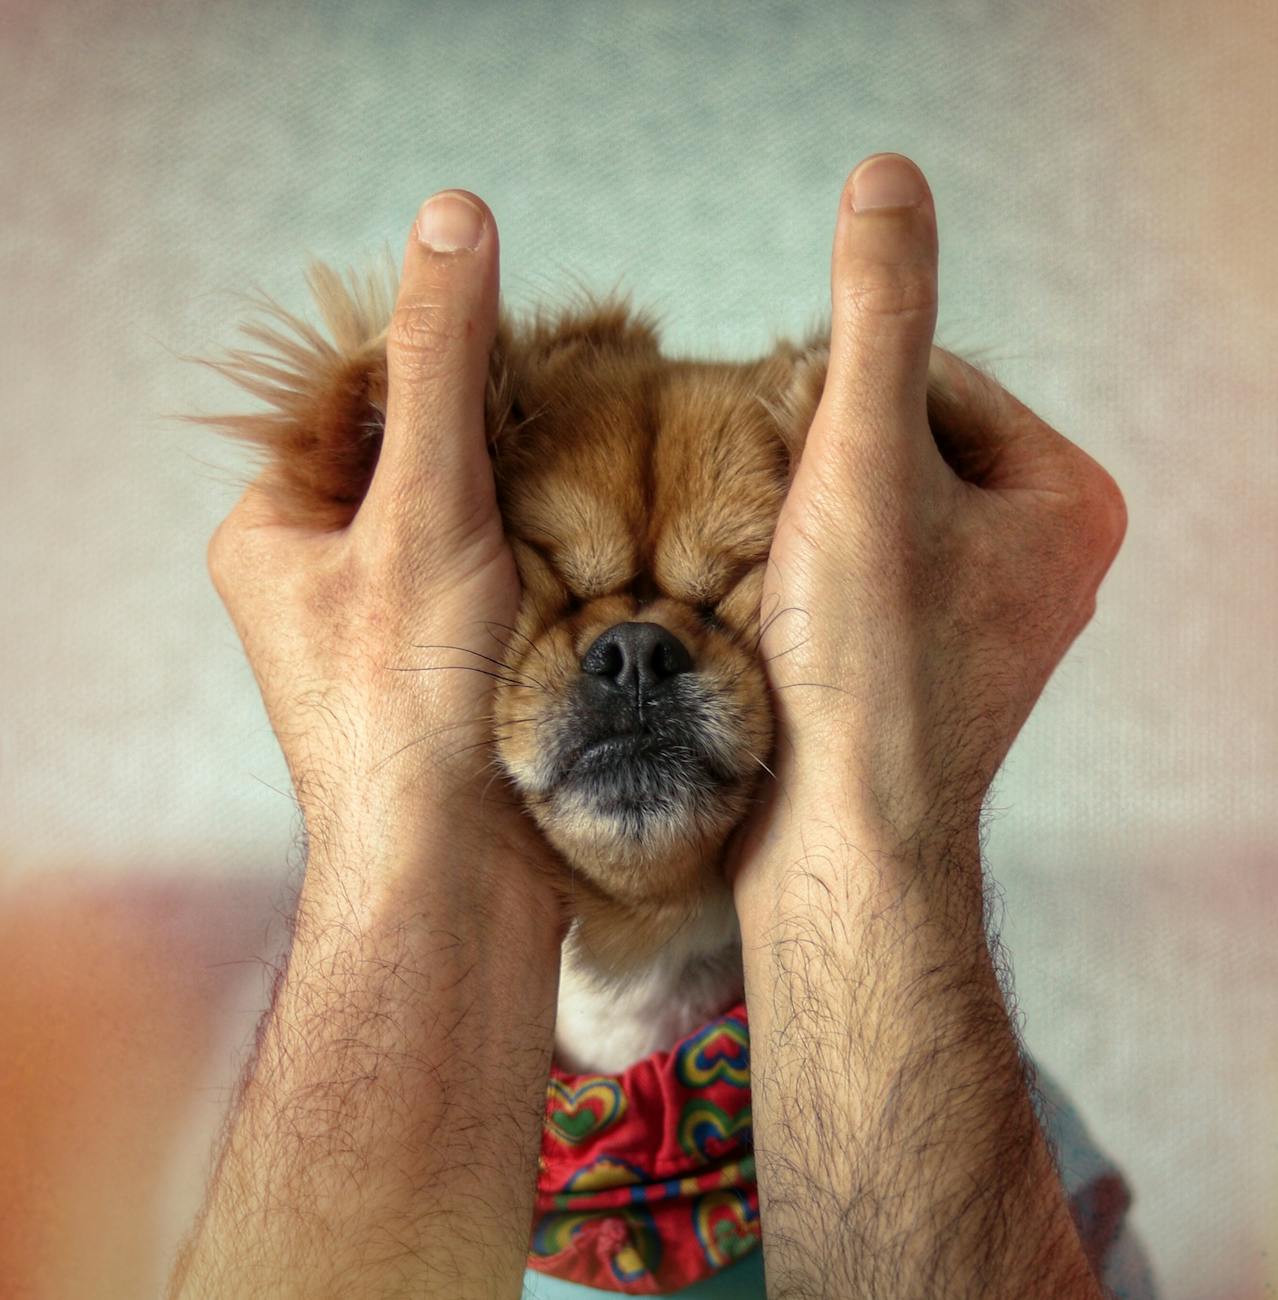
x,y
727,1226
708,1132
646,1179
604,1173
580,1114
719,1051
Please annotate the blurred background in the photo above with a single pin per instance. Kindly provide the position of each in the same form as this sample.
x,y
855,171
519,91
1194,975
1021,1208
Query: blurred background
x,y
1105,182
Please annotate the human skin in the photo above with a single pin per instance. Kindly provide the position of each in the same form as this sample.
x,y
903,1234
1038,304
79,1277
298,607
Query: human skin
x,y
914,615
386,1137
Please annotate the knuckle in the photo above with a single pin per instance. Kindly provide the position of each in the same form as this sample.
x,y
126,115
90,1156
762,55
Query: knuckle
x,y
1100,507
1115,507
220,553
237,548
892,293
424,334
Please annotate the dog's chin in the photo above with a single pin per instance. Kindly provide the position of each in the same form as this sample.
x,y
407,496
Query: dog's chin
x,y
636,838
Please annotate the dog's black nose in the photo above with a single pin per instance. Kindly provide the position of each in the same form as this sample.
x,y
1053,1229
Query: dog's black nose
x,y
637,658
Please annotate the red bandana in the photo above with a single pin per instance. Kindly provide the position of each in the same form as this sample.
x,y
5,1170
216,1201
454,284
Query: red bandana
x,y
646,1179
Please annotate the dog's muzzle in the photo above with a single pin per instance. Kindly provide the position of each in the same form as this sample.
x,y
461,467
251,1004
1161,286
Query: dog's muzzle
x,y
636,741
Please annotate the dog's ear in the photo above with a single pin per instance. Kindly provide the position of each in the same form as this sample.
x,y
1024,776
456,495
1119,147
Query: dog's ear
x,y
789,382
792,377
503,399
602,325
326,395
549,352
320,438
544,360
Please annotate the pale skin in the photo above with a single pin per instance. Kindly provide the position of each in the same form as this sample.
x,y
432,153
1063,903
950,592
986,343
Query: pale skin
x,y
386,1138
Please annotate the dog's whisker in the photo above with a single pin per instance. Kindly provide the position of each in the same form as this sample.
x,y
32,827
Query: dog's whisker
x,y
767,659
772,618
825,686
761,763
470,668
498,772
486,743
506,668
381,763
506,627
505,645
448,726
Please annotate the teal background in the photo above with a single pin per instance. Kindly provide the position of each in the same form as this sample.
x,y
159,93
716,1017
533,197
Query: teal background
x,y
1104,181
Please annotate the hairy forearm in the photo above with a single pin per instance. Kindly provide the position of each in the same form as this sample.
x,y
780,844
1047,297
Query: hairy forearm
x,y
386,1138
896,1146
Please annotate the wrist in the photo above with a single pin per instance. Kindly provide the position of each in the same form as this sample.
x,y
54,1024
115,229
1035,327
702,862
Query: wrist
x,y
831,843
370,874
891,768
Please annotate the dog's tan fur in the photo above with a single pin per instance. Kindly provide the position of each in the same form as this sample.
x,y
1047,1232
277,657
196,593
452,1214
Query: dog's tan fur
x,y
631,485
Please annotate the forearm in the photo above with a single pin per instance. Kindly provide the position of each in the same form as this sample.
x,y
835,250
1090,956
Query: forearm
x,y
896,1146
386,1139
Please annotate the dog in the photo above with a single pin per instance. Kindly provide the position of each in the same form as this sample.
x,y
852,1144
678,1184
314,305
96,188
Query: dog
x,y
632,717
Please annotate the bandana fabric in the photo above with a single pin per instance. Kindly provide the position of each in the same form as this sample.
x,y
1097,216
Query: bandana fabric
x,y
646,1178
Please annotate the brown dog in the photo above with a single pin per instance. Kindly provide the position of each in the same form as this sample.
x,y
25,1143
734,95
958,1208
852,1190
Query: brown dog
x,y
632,715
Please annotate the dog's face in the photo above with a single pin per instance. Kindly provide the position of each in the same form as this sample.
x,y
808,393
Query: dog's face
x,y
640,495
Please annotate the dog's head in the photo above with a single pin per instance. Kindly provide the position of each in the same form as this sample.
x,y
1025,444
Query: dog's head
x,y
640,495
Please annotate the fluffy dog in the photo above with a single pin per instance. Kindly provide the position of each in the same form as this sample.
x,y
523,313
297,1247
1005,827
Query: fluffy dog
x,y
639,493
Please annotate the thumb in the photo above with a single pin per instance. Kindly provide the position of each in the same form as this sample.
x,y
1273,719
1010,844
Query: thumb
x,y
883,299
433,464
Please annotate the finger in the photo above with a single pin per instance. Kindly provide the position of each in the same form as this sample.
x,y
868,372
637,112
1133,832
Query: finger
x,y
433,467
883,300
994,441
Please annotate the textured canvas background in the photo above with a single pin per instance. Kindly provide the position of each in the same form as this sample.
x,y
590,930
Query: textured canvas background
x,y
1104,178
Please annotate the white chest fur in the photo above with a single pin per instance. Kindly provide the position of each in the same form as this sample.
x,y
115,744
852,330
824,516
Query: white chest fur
x,y
604,1025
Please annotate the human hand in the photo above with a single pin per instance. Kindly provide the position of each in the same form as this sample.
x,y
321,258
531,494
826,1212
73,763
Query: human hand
x,y
386,730
406,1049
921,589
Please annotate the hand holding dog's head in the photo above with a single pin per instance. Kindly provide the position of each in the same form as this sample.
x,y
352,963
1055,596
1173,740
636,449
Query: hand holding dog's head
x,y
630,709
628,702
